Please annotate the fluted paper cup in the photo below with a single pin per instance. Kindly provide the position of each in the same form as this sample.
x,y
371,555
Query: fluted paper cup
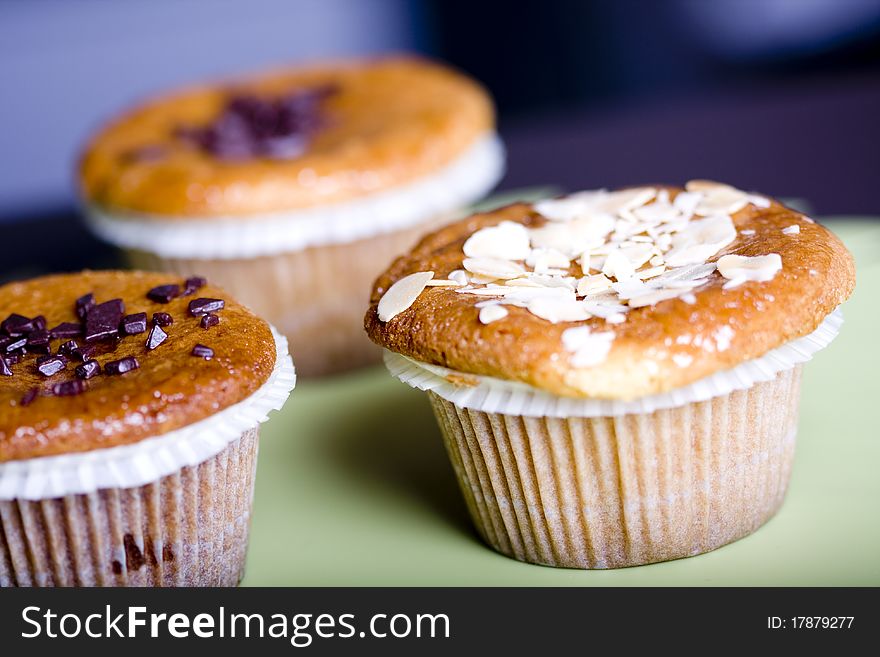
x,y
607,484
173,510
609,492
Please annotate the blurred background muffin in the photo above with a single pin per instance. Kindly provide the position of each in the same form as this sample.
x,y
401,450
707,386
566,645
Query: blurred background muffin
x,y
292,188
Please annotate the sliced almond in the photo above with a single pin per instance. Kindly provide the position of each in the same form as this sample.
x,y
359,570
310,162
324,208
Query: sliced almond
x,y
618,266
558,310
492,313
571,206
593,284
443,282
506,241
402,294
745,268
653,298
494,268
702,239
588,348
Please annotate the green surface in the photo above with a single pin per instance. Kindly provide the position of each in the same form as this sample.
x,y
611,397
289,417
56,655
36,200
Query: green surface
x,y
354,487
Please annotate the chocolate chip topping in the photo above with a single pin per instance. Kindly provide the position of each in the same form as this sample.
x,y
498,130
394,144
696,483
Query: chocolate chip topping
x,y
209,320
17,325
51,365
202,351
38,342
156,337
29,396
68,348
84,304
88,369
15,344
162,319
66,330
251,126
84,352
192,284
69,388
122,365
133,324
203,306
103,320
164,293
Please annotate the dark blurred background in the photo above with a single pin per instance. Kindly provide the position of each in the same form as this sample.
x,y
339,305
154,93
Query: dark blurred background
x,y
777,95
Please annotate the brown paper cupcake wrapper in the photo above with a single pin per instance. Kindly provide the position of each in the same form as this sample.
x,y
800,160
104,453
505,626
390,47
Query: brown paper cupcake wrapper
x,y
608,492
189,528
316,297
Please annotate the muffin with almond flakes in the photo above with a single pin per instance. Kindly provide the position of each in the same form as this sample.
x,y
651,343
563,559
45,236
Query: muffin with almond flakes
x,y
616,374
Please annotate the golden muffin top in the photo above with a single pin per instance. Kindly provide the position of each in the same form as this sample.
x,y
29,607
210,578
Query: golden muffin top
x,y
612,295
283,141
104,358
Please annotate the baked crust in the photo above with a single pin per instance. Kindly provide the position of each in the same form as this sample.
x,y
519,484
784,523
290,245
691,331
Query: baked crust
x,y
391,121
171,389
721,329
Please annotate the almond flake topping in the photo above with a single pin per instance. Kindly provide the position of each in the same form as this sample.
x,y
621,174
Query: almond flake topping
x,y
739,269
489,314
402,294
506,241
601,254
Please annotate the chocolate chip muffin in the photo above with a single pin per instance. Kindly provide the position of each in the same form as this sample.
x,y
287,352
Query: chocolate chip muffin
x,y
294,188
128,438
616,374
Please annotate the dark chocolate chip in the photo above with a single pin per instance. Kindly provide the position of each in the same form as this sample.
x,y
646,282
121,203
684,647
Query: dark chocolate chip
x,y
84,305
69,388
122,365
258,126
209,320
202,351
15,344
164,293
17,325
4,367
133,324
68,348
103,320
51,365
66,330
88,369
29,396
38,342
203,306
162,319
84,352
156,337
39,323
192,284
15,356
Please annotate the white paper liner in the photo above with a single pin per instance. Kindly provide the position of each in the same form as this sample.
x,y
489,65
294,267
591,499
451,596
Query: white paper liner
x,y
492,395
148,460
467,179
